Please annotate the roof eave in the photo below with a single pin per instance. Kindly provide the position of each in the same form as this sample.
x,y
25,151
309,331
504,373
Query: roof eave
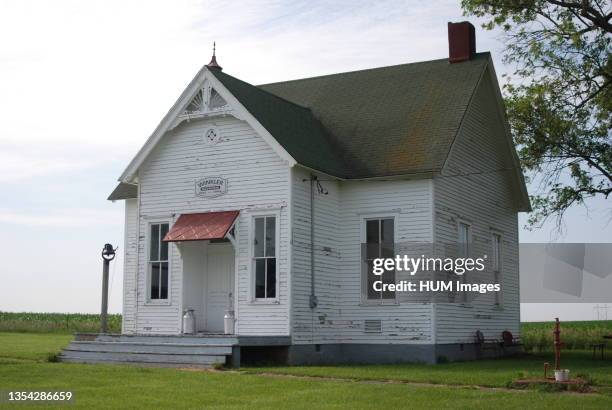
x,y
524,203
425,174
123,191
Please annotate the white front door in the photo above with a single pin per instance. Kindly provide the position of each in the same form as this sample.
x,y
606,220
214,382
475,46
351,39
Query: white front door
x,y
220,273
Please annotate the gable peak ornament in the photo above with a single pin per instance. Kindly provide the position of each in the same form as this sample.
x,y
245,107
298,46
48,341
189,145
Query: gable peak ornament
x,y
213,61
212,136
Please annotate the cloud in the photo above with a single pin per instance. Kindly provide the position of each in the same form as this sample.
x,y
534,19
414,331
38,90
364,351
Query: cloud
x,y
66,218
23,162
105,72
83,81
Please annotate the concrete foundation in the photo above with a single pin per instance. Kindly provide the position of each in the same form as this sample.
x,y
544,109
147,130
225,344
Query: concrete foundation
x,y
392,353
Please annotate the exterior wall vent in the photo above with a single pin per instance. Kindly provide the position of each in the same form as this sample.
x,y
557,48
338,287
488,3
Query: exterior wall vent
x,y
372,326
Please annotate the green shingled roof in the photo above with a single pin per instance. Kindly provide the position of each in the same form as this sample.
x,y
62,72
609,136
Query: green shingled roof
x,y
380,122
293,126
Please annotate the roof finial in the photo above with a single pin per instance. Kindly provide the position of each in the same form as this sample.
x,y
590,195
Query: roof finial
x,y
213,61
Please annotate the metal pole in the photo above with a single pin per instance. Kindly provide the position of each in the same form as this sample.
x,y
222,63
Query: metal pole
x,y
558,344
104,313
108,254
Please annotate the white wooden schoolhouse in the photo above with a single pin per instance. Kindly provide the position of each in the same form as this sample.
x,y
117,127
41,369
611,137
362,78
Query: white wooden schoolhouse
x,y
248,205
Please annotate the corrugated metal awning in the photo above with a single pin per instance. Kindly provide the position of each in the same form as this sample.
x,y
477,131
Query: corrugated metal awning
x,y
201,227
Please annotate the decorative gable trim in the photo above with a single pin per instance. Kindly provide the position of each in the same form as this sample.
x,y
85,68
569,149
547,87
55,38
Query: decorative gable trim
x,y
207,102
204,97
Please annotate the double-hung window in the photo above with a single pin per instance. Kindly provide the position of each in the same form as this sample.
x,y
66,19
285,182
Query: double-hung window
x,y
463,242
496,244
379,243
264,257
158,262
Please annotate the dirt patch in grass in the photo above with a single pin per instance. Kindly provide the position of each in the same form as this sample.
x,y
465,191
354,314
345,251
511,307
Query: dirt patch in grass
x,y
569,388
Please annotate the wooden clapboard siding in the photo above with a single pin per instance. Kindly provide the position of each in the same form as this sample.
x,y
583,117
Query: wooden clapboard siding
x,y
326,235
130,265
257,179
485,199
339,316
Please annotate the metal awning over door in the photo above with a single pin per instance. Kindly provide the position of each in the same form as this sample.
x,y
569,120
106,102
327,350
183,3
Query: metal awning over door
x,y
202,227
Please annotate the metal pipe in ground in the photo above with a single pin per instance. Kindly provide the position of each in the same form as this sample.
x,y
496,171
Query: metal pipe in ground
x,y
104,311
313,302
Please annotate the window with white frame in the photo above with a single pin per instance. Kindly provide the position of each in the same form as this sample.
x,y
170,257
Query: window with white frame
x,y
379,243
463,242
496,263
265,257
158,262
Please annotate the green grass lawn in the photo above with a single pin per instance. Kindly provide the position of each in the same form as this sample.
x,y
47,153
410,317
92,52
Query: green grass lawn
x,y
491,373
107,386
35,346
23,366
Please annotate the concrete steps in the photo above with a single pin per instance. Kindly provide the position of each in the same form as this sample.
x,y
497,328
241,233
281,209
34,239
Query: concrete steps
x,y
173,351
161,339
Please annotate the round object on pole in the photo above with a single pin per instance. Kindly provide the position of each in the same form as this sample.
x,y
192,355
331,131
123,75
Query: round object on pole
x,y
108,253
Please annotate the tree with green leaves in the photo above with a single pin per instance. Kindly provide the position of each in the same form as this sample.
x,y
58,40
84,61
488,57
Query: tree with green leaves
x,y
559,97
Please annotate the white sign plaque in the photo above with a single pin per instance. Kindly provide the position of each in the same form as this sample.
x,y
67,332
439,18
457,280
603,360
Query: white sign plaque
x,y
211,187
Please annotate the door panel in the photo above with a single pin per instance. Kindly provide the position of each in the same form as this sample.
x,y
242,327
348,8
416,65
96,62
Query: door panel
x,y
220,272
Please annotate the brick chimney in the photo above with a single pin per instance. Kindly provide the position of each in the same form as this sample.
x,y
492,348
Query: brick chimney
x,y
461,41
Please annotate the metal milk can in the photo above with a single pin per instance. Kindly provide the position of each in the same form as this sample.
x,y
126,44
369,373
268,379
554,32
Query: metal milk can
x,y
189,322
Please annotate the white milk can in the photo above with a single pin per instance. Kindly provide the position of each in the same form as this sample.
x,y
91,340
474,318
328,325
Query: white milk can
x,y
189,322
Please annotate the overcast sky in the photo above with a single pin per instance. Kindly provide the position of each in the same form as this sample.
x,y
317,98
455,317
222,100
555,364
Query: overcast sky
x,y
83,84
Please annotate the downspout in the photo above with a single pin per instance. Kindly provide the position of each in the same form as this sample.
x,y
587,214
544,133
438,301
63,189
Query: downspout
x,y
313,297
138,264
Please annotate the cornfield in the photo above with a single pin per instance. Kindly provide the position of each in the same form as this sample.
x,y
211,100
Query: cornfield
x,y
56,322
538,336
